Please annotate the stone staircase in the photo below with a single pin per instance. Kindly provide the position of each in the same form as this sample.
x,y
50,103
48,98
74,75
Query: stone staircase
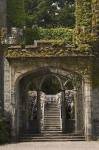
x,y
52,121
51,137
52,128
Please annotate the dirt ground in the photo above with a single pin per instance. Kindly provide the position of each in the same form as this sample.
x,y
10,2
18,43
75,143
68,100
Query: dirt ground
x,y
52,146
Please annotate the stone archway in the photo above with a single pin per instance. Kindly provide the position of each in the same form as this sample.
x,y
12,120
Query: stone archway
x,y
51,88
61,75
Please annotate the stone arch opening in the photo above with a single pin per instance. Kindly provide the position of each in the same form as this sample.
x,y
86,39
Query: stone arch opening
x,y
31,83
51,84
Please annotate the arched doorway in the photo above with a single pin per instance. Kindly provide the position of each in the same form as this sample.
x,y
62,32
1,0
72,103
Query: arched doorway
x,y
47,93
51,86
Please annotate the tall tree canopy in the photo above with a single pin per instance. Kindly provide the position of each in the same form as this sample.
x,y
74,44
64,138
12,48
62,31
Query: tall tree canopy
x,y
45,13
50,13
15,13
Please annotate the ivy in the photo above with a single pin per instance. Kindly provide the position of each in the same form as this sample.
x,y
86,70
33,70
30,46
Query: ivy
x,y
65,34
54,34
82,37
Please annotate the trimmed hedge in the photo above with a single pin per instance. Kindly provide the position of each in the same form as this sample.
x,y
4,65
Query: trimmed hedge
x,y
64,34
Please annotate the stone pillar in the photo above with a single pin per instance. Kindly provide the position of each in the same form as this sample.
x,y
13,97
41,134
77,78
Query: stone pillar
x,y
63,111
39,110
13,106
9,97
1,84
76,117
7,89
42,103
88,107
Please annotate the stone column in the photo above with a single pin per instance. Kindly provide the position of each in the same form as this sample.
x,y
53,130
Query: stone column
x,y
39,110
88,106
1,84
42,103
9,97
63,110
13,106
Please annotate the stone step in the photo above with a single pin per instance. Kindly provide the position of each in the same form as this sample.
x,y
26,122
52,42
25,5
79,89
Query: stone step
x,y
52,106
51,138
52,129
53,133
50,111
53,117
52,123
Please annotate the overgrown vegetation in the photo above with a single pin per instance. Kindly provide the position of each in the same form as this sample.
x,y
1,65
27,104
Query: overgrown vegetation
x,y
43,20
83,32
53,34
50,13
4,130
15,13
44,13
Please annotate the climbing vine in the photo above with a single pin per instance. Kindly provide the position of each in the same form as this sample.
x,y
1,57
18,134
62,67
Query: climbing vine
x,y
83,29
49,34
82,37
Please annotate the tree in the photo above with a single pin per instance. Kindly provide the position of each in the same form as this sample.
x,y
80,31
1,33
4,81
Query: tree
x,y
15,13
45,13
50,13
66,17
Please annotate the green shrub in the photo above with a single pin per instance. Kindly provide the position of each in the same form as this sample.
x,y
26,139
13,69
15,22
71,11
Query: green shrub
x,y
30,35
4,131
63,34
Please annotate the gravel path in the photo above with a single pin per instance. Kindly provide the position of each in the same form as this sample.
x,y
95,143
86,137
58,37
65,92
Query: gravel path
x,y
52,146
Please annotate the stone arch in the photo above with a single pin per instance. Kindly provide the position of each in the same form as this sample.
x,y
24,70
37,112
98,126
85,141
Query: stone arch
x,y
57,72
51,75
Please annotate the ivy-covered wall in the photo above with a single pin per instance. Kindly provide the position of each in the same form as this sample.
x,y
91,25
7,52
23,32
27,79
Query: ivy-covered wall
x,y
83,22
95,16
83,36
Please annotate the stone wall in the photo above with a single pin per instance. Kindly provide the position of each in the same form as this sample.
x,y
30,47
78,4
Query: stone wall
x,y
7,88
95,94
1,84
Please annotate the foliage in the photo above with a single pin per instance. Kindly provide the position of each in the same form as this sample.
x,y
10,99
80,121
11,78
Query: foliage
x,y
54,34
31,34
50,13
15,13
4,131
51,85
83,34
